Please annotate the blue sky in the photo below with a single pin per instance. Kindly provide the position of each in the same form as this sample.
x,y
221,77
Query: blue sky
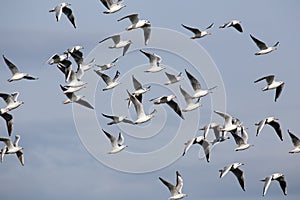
x,y
59,165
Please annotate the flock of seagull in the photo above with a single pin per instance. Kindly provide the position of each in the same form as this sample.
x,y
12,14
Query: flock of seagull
x,y
74,83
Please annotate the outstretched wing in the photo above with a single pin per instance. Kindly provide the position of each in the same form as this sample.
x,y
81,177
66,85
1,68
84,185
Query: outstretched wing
x,y
147,31
278,91
295,139
133,18
175,107
194,82
269,79
277,128
68,12
261,45
9,122
10,65
240,176
194,30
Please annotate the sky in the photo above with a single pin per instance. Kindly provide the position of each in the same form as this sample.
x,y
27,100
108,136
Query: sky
x,y
65,151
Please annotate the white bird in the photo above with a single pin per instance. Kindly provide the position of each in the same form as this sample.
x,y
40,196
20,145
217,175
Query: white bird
x,y
139,90
233,23
72,78
199,92
228,125
110,83
86,66
176,191
108,65
241,141
234,168
117,144
115,119
70,89
12,148
76,54
118,43
264,49
9,122
137,23
15,72
72,97
141,116
112,6
278,177
11,101
56,58
272,122
168,100
63,8
217,130
191,105
173,79
201,141
198,33
154,62
272,84
296,143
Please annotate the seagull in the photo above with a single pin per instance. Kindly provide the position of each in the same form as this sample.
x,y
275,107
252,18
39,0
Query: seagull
x,y
173,79
263,47
87,66
9,122
175,191
118,43
72,77
272,122
115,119
72,97
154,62
168,100
56,58
111,83
235,24
242,140
197,87
137,23
117,144
296,143
278,177
228,126
189,101
197,32
272,84
141,116
139,89
217,130
198,140
76,54
63,8
11,102
12,148
234,168
112,6
107,66
15,71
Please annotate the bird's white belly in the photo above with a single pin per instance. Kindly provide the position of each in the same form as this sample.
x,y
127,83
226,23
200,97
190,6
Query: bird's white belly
x,y
264,51
112,85
142,119
191,107
17,76
200,93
